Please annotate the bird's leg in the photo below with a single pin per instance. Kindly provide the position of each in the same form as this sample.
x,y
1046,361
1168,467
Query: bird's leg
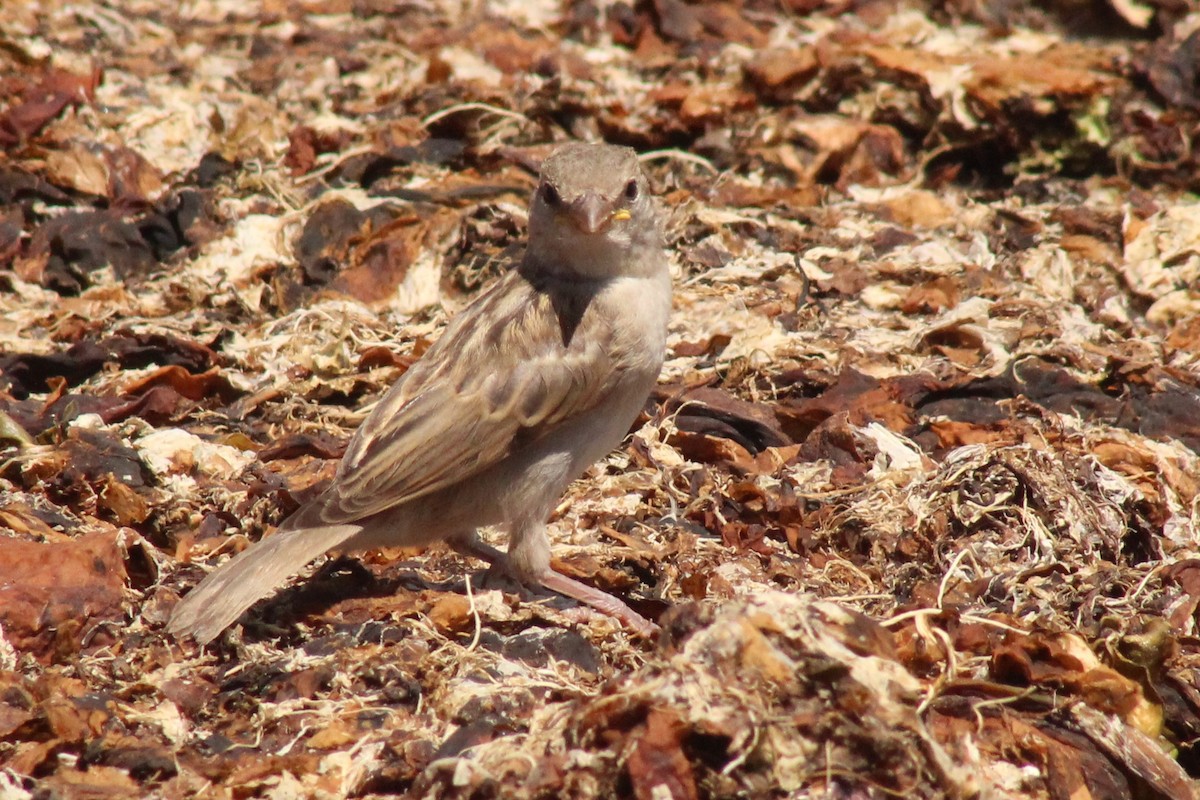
x,y
469,544
599,600
528,560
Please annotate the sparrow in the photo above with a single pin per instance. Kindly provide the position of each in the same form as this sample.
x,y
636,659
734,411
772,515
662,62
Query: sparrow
x,y
540,376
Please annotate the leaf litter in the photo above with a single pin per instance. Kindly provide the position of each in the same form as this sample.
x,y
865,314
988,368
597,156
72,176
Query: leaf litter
x,y
916,499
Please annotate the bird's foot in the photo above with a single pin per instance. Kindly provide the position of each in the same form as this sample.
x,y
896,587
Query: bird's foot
x,y
556,582
599,600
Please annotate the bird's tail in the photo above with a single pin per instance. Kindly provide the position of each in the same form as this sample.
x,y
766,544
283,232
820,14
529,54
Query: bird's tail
x,y
256,572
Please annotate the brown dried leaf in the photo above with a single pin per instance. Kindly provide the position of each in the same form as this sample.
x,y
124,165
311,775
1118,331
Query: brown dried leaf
x,y
36,105
209,385
774,69
51,594
657,765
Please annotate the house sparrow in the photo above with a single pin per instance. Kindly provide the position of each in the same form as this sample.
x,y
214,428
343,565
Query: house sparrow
x,y
536,379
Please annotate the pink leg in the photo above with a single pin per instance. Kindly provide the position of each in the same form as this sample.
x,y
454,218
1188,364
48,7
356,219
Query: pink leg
x,y
601,601
557,582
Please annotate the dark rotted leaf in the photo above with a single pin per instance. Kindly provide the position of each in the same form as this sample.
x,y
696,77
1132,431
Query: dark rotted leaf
x,y
875,156
110,173
212,168
705,22
978,402
22,121
379,356
1159,403
1185,336
38,521
959,421
1180,697
93,455
716,412
22,374
135,350
888,239
716,444
141,760
306,143
302,150
380,261
476,732
1013,233
740,536
236,764
435,151
157,405
861,397
621,21
490,241
117,502
1167,408
979,160
17,705
362,169
189,695
79,468
324,243
12,224
19,186
173,223
19,520
504,714
835,440
1063,663
454,193
210,384
707,255
304,683
710,426
366,170
539,647
302,444
76,244
684,619
67,407
1174,70
1158,139
1086,221
959,342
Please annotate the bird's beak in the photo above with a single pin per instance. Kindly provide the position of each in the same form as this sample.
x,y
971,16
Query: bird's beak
x,y
591,213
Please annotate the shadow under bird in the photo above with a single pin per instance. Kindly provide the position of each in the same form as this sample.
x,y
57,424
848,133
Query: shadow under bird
x,y
536,379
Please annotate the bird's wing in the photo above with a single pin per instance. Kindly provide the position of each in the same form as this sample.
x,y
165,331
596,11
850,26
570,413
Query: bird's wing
x,y
503,375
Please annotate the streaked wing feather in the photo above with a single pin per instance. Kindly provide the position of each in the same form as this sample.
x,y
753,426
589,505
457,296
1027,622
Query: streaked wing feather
x,y
431,432
434,441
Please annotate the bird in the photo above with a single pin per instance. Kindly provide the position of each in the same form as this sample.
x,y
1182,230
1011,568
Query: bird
x,y
537,378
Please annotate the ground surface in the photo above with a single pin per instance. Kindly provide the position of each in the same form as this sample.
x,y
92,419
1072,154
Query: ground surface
x,y
916,503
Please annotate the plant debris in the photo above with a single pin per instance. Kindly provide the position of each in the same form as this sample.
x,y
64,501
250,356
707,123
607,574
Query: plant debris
x,y
916,502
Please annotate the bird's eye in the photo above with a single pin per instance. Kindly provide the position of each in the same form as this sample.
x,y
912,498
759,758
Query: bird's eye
x,y
550,195
631,190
